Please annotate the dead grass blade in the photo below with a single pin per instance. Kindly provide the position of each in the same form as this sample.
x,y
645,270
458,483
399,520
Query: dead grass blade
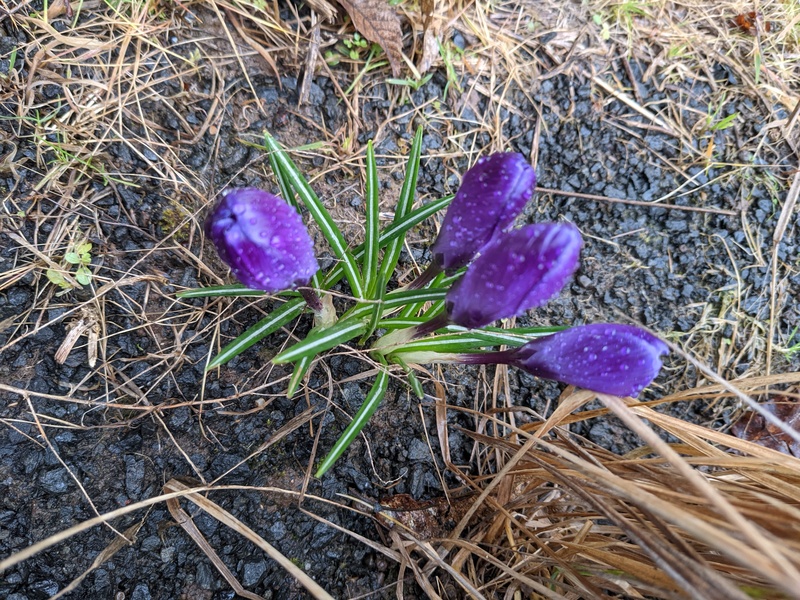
x,y
185,521
117,544
684,520
783,222
228,519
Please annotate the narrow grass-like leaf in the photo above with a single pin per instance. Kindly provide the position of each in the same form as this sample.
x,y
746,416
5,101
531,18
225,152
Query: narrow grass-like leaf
x,y
322,339
319,213
393,300
377,308
523,332
404,203
400,323
287,194
434,309
300,369
234,289
464,340
283,182
266,326
371,402
445,343
411,377
392,232
493,336
403,297
413,309
369,268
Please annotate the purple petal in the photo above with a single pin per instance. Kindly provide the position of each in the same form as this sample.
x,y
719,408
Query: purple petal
x,y
492,194
262,239
612,359
518,270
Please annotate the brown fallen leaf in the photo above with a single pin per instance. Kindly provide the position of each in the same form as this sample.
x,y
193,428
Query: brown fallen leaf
x,y
753,428
425,519
324,8
430,36
379,23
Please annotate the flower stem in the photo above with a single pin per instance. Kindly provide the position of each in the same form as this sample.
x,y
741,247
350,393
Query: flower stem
x,y
426,277
429,327
312,298
501,357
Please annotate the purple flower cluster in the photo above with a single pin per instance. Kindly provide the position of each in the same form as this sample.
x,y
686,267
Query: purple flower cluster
x,y
509,271
513,270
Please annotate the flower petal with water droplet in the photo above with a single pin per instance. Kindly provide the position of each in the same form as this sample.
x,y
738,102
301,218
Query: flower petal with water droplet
x,y
262,239
605,357
492,194
519,270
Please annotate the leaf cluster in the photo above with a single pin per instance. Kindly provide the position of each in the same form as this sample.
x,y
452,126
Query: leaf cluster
x,y
381,321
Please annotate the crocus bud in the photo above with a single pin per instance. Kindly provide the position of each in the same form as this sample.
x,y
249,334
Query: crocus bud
x,y
518,270
262,239
612,359
491,196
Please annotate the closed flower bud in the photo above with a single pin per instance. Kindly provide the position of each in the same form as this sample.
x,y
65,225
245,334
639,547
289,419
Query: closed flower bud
x,y
518,270
262,239
611,359
492,194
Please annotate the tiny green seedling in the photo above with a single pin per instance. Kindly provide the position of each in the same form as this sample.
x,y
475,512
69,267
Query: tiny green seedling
x,y
448,52
351,47
713,122
409,82
790,351
81,257
605,30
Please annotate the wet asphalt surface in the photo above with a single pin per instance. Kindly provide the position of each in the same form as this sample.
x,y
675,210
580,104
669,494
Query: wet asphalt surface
x,y
659,266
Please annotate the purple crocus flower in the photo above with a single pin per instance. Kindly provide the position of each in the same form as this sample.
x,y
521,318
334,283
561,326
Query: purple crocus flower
x,y
492,194
611,359
518,270
262,239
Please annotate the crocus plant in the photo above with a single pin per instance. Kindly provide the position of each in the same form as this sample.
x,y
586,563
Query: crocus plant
x,y
483,270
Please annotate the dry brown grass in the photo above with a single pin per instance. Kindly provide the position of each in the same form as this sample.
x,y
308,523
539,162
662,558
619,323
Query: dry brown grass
x,y
552,516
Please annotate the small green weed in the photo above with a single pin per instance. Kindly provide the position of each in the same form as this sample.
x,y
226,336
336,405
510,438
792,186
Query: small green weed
x,y
790,351
410,82
79,256
352,48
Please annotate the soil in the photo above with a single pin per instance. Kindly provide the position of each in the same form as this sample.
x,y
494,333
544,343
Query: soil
x,y
147,412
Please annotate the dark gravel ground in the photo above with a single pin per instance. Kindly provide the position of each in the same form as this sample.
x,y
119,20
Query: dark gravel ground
x,y
662,267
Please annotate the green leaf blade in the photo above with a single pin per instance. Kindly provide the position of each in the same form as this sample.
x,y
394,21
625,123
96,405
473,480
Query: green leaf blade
x,y
213,291
321,340
266,326
371,246
318,212
368,408
403,208
300,369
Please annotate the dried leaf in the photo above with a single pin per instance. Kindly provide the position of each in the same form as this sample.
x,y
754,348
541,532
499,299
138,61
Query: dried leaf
x,y
748,23
426,520
324,8
753,428
379,23
430,48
